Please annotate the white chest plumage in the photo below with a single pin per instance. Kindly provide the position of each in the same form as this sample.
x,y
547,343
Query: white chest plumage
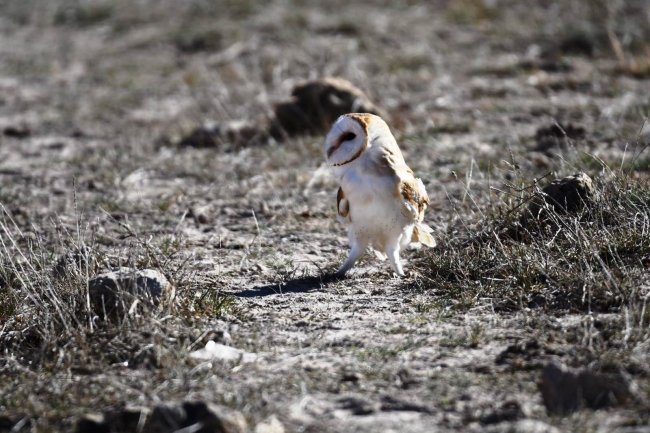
x,y
374,210
379,199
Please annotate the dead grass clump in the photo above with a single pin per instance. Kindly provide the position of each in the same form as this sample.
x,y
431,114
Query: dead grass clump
x,y
46,314
48,325
585,261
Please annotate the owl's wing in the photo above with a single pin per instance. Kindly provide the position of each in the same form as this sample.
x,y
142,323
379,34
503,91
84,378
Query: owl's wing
x,y
415,200
422,233
343,207
414,196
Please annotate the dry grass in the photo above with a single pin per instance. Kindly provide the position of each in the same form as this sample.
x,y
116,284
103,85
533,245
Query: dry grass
x,y
106,89
593,261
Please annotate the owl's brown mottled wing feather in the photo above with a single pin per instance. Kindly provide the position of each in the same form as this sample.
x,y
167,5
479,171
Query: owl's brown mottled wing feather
x,y
416,200
342,204
414,197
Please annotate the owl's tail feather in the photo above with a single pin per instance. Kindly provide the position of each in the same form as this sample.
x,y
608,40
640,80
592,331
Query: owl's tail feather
x,y
422,234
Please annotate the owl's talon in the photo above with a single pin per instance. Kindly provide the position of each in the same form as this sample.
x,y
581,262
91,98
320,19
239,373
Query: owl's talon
x,y
411,274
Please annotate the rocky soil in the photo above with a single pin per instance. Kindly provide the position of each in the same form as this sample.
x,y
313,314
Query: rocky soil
x,y
530,315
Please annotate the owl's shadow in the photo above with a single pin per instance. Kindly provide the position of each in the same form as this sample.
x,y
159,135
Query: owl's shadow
x,y
316,283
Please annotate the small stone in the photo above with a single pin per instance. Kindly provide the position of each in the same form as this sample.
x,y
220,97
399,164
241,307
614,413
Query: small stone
x,y
201,138
115,292
405,378
565,391
532,426
201,214
17,131
30,236
221,336
216,351
92,423
94,185
270,425
203,218
210,418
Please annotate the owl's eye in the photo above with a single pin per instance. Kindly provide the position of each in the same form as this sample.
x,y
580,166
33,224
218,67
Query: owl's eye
x,y
348,136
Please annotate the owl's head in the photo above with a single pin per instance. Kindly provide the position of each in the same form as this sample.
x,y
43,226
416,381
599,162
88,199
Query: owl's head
x,y
348,138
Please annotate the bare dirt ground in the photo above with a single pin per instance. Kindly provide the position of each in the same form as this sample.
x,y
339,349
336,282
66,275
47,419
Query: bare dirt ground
x,y
95,96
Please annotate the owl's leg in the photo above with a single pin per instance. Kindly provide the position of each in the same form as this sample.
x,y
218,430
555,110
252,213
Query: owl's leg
x,y
393,257
392,251
358,248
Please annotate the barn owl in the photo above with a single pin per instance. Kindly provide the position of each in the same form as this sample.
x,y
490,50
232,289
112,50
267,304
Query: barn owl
x,y
379,200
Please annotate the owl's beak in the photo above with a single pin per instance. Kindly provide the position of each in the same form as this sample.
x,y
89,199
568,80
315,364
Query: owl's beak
x,y
333,149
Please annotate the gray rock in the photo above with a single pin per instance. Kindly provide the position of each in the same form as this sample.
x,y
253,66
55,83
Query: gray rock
x,y
92,423
565,390
17,131
210,418
270,425
313,107
116,292
126,419
197,417
200,214
316,104
218,334
568,195
166,417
